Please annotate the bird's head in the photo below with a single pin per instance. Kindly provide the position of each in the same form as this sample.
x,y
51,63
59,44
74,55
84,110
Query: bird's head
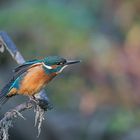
x,y
56,64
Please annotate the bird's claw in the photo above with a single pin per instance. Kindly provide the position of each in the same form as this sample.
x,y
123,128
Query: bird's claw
x,y
44,103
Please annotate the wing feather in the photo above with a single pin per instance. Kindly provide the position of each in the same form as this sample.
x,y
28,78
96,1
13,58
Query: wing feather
x,y
17,72
25,65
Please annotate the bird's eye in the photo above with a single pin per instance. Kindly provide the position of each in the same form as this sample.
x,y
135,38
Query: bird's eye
x,y
60,63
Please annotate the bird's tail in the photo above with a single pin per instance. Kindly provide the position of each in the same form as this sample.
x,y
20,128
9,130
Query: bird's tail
x,y
3,93
3,96
3,99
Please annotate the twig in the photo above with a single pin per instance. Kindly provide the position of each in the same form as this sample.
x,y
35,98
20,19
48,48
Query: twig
x,y
41,105
6,122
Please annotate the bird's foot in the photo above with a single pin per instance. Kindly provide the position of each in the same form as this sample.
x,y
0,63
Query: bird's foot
x,y
34,99
44,103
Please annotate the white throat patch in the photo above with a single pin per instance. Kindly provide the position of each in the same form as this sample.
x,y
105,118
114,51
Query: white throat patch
x,y
62,68
46,66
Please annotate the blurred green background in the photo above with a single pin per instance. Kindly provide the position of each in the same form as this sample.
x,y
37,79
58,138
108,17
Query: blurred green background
x,y
98,99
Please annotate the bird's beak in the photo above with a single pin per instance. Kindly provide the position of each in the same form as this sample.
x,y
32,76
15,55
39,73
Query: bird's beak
x,y
69,62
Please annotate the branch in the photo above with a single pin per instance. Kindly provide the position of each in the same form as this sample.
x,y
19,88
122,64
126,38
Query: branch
x,y
6,41
41,104
6,122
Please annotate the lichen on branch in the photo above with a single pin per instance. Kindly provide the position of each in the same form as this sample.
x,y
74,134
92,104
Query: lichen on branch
x,y
7,121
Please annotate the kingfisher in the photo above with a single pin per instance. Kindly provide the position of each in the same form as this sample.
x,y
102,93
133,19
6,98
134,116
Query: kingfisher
x,y
32,76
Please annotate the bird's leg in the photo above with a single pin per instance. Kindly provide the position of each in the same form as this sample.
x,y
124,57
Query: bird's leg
x,y
33,98
42,101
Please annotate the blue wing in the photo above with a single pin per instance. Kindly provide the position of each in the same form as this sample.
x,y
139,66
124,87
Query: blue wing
x,y
14,82
26,65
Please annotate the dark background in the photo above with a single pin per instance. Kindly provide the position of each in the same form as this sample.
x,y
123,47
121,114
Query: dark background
x,y
98,99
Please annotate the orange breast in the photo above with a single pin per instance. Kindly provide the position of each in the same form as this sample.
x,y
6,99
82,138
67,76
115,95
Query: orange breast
x,y
34,81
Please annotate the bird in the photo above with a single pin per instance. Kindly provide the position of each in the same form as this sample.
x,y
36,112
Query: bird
x,y
32,76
